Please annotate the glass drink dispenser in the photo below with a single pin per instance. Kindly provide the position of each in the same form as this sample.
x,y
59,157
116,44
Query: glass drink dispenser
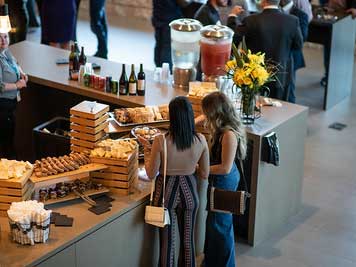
x,y
215,46
185,37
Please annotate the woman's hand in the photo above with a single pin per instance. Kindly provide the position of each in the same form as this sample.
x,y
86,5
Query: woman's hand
x,y
146,144
200,120
24,76
21,84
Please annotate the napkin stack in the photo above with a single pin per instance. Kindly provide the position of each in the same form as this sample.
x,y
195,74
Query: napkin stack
x,y
29,222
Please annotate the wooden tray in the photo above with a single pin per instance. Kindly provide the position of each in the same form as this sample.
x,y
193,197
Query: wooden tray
x,y
87,137
88,122
83,110
87,129
115,162
82,172
112,116
17,183
73,196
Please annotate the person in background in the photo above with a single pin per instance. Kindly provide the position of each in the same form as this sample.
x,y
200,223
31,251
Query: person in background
x,y
190,10
228,142
98,25
12,79
275,34
348,6
208,14
225,12
32,18
185,151
19,20
305,6
297,62
58,27
163,13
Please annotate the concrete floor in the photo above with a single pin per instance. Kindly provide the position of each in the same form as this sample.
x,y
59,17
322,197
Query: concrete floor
x,y
323,234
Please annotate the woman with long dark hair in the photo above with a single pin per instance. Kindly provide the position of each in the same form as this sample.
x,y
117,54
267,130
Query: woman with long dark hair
x,y
185,151
228,142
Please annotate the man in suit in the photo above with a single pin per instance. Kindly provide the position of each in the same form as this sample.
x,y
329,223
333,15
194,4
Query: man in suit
x,y
288,7
208,14
163,13
276,34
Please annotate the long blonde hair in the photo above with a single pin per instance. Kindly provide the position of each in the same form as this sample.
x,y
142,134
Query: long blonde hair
x,y
222,116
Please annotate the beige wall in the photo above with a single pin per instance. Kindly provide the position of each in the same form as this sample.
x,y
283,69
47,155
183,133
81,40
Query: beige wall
x,y
123,12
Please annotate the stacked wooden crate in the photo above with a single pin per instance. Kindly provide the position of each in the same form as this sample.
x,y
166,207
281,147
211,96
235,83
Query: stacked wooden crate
x,y
14,190
196,102
88,123
120,175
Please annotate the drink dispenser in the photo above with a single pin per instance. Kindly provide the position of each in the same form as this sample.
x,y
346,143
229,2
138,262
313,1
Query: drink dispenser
x,y
215,46
185,37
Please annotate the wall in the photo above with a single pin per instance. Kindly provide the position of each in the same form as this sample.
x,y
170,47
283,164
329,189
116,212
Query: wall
x,y
131,13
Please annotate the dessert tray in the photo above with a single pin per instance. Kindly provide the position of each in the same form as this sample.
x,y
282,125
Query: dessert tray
x,y
140,115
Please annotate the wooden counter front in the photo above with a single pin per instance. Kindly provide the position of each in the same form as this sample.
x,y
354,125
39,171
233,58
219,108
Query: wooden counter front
x,y
39,62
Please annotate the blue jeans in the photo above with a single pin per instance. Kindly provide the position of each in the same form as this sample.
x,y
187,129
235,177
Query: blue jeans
x,y
219,247
99,27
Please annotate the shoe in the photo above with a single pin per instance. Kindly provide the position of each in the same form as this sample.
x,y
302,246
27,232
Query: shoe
x,y
324,81
97,54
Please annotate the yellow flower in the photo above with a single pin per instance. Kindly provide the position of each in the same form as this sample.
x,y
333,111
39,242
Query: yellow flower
x,y
239,77
256,58
230,65
247,81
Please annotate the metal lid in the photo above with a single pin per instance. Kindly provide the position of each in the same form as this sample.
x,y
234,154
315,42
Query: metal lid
x,y
217,32
186,25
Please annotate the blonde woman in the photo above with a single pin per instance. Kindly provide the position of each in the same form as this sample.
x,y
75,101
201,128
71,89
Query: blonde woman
x,y
228,142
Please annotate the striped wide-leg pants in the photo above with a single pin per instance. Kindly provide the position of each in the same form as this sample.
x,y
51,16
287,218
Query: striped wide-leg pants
x,y
181,200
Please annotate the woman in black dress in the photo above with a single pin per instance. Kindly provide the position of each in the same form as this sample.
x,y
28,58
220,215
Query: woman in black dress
x,y
58,22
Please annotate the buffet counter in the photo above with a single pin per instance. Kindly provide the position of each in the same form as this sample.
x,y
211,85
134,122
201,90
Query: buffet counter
x,y
105,239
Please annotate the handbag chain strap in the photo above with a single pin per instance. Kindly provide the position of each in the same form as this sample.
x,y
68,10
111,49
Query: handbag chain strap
x,y
243,174
164,173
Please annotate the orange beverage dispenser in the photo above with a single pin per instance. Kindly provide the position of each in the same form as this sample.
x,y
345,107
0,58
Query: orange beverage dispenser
x,y
215,49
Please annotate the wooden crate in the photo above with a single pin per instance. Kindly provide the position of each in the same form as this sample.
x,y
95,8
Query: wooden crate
x,y
88,122
83,143
87,137
80,149
196,104
89,130
83,110
14,190
120,174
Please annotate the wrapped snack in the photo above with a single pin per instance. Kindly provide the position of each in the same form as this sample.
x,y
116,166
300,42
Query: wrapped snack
x,y
29,222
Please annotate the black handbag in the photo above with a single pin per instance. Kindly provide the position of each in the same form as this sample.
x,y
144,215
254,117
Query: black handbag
x,y
270,149
226,201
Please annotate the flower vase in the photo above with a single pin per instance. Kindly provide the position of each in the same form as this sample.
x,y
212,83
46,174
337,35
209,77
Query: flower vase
x,y
248,103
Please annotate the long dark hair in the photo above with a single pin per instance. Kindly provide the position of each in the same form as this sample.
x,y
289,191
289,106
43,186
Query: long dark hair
x,y
181,127
221,116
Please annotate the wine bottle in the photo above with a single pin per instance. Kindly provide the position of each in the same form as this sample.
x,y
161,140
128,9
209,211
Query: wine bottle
x,y
76,48
141,82
132,81
123,83
71,60
82,57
